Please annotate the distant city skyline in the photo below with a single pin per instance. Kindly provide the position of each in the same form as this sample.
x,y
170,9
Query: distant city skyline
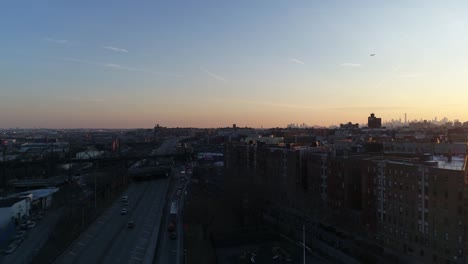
x,y
210,64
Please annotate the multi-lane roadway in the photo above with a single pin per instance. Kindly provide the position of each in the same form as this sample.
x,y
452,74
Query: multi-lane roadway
x,y
172,250
110,240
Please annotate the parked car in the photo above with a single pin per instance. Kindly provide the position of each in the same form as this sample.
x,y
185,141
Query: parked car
x,y
24,225
20,234
31,224
125,198
123,211
18,240
131,224
10,249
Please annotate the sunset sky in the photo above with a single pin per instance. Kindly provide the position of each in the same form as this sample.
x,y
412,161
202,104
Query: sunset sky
x,y
123,64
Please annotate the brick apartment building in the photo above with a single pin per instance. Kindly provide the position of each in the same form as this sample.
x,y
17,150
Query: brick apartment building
x,y
412,208
420,207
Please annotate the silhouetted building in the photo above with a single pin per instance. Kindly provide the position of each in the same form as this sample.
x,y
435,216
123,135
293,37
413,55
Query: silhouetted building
x,y
374,122
349,125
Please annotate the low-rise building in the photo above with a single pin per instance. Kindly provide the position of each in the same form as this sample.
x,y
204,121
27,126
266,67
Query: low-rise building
x,y
15,208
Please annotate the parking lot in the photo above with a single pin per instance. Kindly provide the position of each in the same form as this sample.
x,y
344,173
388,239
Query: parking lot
x,y
29,237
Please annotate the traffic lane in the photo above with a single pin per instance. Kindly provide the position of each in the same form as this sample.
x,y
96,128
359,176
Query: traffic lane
x,y
142,233
117,244
180,234
34,240
96,248
167,146
131,244
169,249
102,225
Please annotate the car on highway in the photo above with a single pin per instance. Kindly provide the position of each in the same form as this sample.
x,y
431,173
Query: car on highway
x,y
123,211
173,235
171,227
10,249
131,224
125,198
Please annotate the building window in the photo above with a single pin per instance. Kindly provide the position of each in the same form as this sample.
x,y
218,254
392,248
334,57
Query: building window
x,y
460,195
460,210
446,236
446,194
421,253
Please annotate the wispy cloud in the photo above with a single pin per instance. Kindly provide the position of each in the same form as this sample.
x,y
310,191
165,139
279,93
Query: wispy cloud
x,y
90,100
56,41
116,49
119,67
81,61
396,68
369,108
411,75
349,64
214,75
296,61
267,103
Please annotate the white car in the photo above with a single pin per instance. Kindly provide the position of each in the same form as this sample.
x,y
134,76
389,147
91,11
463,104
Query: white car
x,y
125,198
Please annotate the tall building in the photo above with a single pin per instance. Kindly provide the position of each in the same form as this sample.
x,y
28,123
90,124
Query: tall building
x,y
374,122
420,207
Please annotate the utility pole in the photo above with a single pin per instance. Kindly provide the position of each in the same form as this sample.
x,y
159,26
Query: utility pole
x,y
303,243
95,191
4,180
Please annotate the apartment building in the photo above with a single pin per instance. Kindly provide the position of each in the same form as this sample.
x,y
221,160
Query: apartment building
x,y
419,206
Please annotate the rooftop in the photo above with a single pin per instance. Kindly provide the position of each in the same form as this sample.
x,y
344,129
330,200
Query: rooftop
x,y
436,161
457,163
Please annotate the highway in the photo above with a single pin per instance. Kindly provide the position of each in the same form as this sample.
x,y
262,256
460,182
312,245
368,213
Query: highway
x,y
171,251
109,240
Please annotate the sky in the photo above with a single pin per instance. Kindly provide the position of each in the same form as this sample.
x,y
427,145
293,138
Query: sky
x,y
126,64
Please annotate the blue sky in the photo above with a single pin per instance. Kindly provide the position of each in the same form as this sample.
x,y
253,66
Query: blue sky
x,y
214,63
